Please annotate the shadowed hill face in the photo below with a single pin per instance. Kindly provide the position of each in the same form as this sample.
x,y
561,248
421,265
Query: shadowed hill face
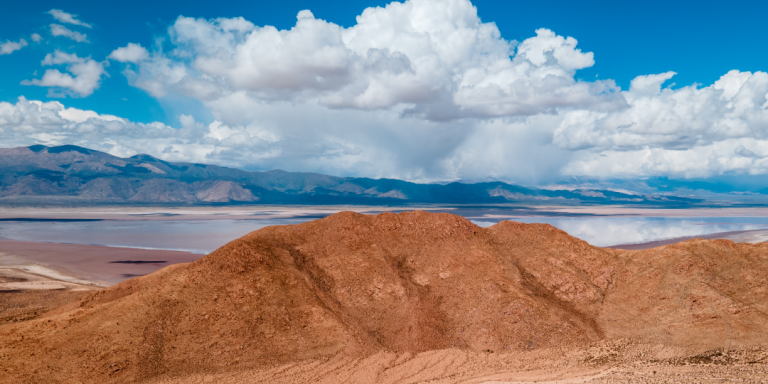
x,y
355,285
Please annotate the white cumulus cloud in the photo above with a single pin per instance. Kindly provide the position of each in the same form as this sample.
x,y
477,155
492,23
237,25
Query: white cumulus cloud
x,y
60,30
375,143
419,90
11,46
132,53
722,157
83,79
686,131
733,107
435,58
29,121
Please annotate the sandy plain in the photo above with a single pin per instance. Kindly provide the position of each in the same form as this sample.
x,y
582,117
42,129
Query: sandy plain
x,y
37,277
88,263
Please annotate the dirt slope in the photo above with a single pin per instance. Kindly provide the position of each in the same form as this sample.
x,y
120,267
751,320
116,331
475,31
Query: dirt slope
x,y
697,293
351,285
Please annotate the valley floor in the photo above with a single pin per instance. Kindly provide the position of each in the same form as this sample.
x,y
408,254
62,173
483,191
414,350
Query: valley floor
x,y
37,277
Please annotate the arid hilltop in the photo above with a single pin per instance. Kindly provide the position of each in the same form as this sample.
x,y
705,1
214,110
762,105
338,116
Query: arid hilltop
x,y
408,297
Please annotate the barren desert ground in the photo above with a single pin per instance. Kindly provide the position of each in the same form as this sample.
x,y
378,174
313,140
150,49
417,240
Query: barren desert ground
x,y
390,298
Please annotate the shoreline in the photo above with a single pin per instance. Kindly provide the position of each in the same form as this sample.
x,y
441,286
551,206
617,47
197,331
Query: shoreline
x,y
492,214
38,277
747,236
96,264
266,212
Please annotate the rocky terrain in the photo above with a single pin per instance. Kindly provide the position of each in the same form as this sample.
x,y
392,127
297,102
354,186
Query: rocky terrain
x,y
413,297
70,174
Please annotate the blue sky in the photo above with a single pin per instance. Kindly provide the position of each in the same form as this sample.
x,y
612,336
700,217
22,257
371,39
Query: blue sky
x,y
576,127
699,40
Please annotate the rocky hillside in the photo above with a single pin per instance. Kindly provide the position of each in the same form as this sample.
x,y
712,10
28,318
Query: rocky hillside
x,y
339,289
71,174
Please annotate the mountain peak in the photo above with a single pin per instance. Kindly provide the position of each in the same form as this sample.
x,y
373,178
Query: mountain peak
x,y
144,157
61,148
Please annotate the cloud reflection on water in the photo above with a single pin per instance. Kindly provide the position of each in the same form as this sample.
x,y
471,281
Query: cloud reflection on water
x,y
204,236
607,231
196,236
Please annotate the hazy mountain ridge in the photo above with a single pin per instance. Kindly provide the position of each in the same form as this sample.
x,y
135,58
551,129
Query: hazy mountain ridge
x,y
72,173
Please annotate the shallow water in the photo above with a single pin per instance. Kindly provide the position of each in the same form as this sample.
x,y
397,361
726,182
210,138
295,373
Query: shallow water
x,y
204,236
196,236
606,231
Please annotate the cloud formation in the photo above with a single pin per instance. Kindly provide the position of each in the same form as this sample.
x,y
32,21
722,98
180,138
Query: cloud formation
x,y
52,123
435,59
733,107
83,78
421,90
132,53
67,18
11,46
689,131
60,30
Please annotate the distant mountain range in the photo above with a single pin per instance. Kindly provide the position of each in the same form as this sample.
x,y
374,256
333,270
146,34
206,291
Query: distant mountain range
x,y
72,174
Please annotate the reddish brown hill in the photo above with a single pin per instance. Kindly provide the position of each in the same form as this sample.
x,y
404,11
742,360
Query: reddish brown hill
x,y
357,285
